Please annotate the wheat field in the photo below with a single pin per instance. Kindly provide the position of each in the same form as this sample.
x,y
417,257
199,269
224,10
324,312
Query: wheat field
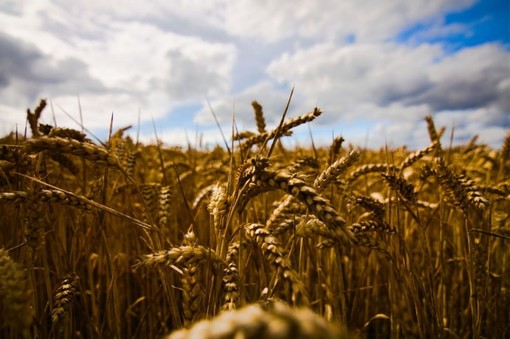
x,y
251,240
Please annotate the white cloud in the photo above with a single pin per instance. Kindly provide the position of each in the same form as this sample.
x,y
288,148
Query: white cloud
x,y
345,79
112,65
367,20
397,85
343,57
472,78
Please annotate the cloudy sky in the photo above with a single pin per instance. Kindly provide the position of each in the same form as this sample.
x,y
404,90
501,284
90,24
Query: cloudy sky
x,y
375,68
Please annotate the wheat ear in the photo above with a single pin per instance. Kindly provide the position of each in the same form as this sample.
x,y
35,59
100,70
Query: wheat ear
x,y
15,294
177,255
33,118
191,287
335,169
459,190
277,256
218,205
259,117
369,168
13,198
285,128
274,320
415,156
316,204
231,278
63,297
85,150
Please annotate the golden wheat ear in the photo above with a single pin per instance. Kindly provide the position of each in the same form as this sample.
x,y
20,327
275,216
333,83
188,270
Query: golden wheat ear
x,y
259,117
273,319
64,297
15,294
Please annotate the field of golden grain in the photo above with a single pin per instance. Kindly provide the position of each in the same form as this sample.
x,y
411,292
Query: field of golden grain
x,y
253,240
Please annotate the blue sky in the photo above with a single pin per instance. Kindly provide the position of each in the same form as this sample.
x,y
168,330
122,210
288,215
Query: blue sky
x,y
482,22
375,68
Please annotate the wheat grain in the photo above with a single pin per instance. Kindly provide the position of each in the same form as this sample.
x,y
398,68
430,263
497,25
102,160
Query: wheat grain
x,y
414,157
401,186
420,282
315,203
15,294
299,165
276,255
67,133
177,255
371,204
285,208
84,150
33,118
131,163
285,129
63,198
336,169
310,226
274,321
243,135
231,278
151,197
165,194
369,168
334,149
35,222
480,257
191,286
64,296
259,117
458,188
434,135
13,198
218,205
372,225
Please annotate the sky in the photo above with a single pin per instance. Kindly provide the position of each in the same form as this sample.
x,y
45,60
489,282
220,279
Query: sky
x,y
375,68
